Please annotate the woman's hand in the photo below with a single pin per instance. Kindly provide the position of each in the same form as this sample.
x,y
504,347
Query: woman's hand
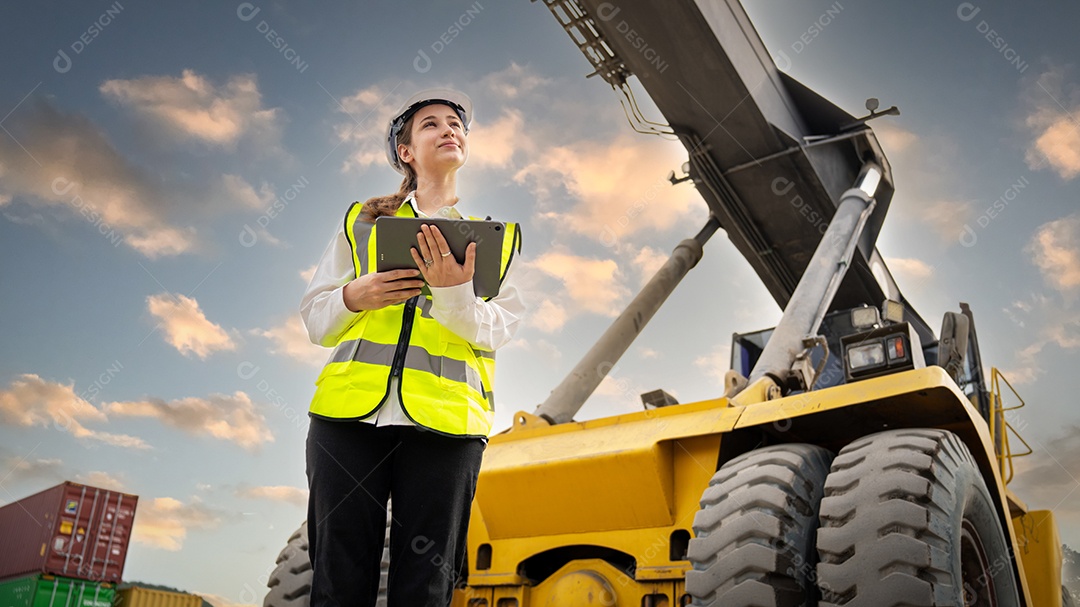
x,y
380,289
437,264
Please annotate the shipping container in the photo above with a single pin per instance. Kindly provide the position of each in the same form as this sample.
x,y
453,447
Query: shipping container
x,y
69,530
42,590
137,596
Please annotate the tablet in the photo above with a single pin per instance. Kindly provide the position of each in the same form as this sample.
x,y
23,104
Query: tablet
x,y
395,236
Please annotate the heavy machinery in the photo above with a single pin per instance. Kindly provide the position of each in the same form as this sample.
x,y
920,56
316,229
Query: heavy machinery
x,y
856,457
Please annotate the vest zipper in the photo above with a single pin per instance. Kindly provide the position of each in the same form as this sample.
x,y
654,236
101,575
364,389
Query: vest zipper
x,y
403,339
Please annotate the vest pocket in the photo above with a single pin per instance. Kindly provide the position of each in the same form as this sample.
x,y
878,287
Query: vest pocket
x,y
458,366
339,359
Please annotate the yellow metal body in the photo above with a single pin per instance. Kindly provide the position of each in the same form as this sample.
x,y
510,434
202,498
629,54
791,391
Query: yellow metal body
x,y
1039,547
137,596
557,508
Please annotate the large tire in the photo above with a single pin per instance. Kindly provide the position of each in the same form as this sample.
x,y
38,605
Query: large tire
x,y
1066,597
290,582
754,534
907,520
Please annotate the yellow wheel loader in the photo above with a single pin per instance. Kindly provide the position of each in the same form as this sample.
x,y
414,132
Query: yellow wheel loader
x,y
857,457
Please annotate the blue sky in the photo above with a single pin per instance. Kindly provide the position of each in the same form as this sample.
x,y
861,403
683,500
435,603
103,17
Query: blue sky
x,y
169,174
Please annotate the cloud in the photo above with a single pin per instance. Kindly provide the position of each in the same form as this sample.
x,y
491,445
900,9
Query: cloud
x,y
308,273
514,81
220,601
32,401
549,316
238,189
101,479
910,271
291,340
591,284
1060,327
618,386
192,108
1055,250
233,418
275,493
163,522
1054,123
893,138
1048,479
20,469
494,145
648,262
612,189
69,164
540,350
186,327
369,111
716,363
947,218
647,353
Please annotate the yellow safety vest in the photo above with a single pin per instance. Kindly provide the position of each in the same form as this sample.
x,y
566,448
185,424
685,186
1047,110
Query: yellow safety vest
x,y
445,382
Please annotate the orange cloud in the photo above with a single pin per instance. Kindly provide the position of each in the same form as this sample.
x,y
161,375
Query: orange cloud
x,y
494,145
716,363
548,316
186,327
275,493
193,108
163,522
1055,127
1055,250
32,401
290,339
238,189
611,189
73,167
233,418
591,284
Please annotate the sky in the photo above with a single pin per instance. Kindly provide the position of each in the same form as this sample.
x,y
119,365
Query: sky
x,y
171,173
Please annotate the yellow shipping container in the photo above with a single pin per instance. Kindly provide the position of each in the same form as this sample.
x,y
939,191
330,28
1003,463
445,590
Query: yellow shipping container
x,y
136,596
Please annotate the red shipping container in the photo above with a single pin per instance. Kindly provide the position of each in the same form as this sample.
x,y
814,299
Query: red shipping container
x,y
71,530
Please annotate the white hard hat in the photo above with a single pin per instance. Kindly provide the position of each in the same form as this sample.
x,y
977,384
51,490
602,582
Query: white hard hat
x,y
459,101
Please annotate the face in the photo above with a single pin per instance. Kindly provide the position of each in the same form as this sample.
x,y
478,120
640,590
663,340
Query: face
x,y
438,141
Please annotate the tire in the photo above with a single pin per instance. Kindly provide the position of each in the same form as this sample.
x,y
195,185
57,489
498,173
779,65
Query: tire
x,y
290,582
1066,597
754,535
907,520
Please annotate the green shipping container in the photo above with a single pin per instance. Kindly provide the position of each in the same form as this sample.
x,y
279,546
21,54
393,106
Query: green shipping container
x,y
41,590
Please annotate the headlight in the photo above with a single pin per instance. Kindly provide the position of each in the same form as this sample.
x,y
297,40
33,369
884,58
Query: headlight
x,y
865,318
869,355
881,351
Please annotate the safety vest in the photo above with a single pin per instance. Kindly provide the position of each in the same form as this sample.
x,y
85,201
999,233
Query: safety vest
x,y
444,382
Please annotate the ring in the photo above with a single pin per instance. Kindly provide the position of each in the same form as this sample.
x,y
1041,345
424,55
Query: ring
x,y
428,262
446,254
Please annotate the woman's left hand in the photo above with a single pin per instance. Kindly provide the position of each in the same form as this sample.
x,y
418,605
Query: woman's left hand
x,y
437,263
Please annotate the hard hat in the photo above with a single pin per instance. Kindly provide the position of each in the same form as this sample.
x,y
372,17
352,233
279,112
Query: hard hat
x,y
460,103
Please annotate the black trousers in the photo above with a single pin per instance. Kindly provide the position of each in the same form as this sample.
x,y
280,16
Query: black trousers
x,y
352,468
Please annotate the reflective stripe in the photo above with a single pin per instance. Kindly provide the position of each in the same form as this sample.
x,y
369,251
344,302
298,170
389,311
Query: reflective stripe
x,y
416,358
484,354
424,305
361,233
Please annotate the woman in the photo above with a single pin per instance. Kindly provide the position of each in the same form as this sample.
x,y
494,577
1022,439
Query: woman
x,y
404,404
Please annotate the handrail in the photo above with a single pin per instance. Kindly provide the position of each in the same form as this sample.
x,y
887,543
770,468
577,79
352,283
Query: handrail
x,y
999,430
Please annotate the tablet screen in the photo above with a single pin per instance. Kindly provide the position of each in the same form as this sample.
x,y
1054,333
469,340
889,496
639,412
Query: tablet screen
x,y
396,236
